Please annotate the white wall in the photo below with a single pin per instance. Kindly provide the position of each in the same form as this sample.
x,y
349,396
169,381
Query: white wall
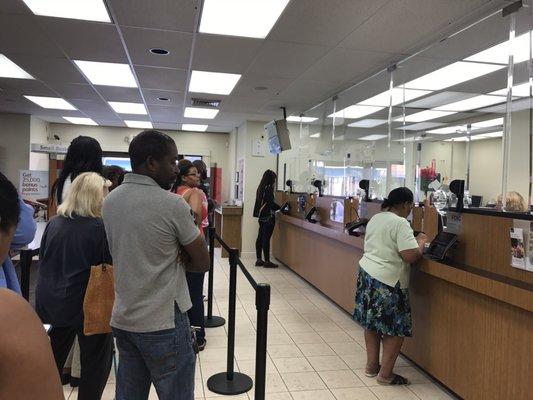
x,y
213,145
39,134
254,167
14,145
486,168
518,172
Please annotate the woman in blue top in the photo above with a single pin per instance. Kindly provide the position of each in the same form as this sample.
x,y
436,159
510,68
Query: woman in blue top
x,y
382,299
24,234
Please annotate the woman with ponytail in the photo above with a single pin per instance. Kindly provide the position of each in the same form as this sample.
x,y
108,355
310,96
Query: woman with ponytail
x,y
382,298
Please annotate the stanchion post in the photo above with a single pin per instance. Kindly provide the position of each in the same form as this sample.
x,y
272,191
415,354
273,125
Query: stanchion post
x,y
262,305
211,321
233,265
231,382
211,236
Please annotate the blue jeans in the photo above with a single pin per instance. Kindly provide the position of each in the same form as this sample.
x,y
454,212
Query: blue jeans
x,y
164,358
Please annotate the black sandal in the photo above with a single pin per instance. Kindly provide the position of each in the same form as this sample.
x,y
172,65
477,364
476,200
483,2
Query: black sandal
x,y
397,380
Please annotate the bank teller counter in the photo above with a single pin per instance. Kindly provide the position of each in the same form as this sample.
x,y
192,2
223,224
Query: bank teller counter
x,y
472,312
307,247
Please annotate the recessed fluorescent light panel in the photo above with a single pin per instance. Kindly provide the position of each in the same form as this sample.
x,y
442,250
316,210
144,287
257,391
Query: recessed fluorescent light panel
x,y
472,103
201,113
89,10
356,111
398,97
107,74
488,123
372,137
193,127
248,18
451,75
54,103
447,130
8,69
139,124
294,118
128,108
521,90
499,54
80,121
425,115
213,82
367,123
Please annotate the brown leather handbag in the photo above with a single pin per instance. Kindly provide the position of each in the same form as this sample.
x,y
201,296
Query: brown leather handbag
x,y
99,299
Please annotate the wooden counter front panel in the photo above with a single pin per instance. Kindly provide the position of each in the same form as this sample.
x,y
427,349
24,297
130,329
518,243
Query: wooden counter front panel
x,y
480,348
328,264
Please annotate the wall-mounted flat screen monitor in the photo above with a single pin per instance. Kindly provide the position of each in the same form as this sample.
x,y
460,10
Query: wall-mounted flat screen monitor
x,y
121,161
277,136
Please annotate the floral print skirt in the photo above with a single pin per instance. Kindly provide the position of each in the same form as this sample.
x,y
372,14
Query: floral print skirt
x,y
382,308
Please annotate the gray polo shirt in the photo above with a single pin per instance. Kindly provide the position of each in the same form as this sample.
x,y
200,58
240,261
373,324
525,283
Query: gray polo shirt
x,y
145,225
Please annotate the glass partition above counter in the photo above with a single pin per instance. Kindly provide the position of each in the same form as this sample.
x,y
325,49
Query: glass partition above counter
x,y
460,109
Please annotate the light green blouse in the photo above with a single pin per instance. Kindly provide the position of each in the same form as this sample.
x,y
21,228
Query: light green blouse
x,y
386,235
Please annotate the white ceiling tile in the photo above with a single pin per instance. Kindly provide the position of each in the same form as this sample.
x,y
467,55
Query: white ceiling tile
x,y
249,82
20,34
403,25
139,41
175,99
14,7
161,78
286,60
113,93
303,91
48,69
176,15
224,53
25,86
75,91
87,41
342,66
322,22
242,104
165,114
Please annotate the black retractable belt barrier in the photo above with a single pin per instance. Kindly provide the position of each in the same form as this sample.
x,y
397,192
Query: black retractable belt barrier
x,y
211,321
231,382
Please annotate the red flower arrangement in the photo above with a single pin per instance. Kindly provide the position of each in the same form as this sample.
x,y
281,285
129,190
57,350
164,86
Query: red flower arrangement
x,y
428,175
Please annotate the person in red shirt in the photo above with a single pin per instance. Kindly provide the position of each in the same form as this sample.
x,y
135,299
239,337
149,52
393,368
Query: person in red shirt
x,y
187,185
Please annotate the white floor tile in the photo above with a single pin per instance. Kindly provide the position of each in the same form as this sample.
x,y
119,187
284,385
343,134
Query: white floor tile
x,y
393,393
316,349
354,394
313,395
341,379
297,364
297,381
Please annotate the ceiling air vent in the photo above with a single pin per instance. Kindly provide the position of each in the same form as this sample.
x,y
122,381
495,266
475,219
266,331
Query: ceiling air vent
x,y
205,103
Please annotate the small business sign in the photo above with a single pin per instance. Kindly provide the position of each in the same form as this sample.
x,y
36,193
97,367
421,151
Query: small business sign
x,y
33,185
49,148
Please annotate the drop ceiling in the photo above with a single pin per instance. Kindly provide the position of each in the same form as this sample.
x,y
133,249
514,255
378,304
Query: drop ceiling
x,y
316,49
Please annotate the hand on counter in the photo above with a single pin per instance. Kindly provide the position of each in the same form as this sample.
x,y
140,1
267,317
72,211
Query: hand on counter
x,y
421,239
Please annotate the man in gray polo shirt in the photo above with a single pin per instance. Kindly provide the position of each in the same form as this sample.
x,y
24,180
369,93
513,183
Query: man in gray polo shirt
x,y
146,227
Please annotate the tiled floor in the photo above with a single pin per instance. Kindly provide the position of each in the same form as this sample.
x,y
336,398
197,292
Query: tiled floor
x,y
315,350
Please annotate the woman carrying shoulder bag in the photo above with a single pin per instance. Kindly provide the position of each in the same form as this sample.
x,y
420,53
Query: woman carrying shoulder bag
x,y
264,210
72,242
